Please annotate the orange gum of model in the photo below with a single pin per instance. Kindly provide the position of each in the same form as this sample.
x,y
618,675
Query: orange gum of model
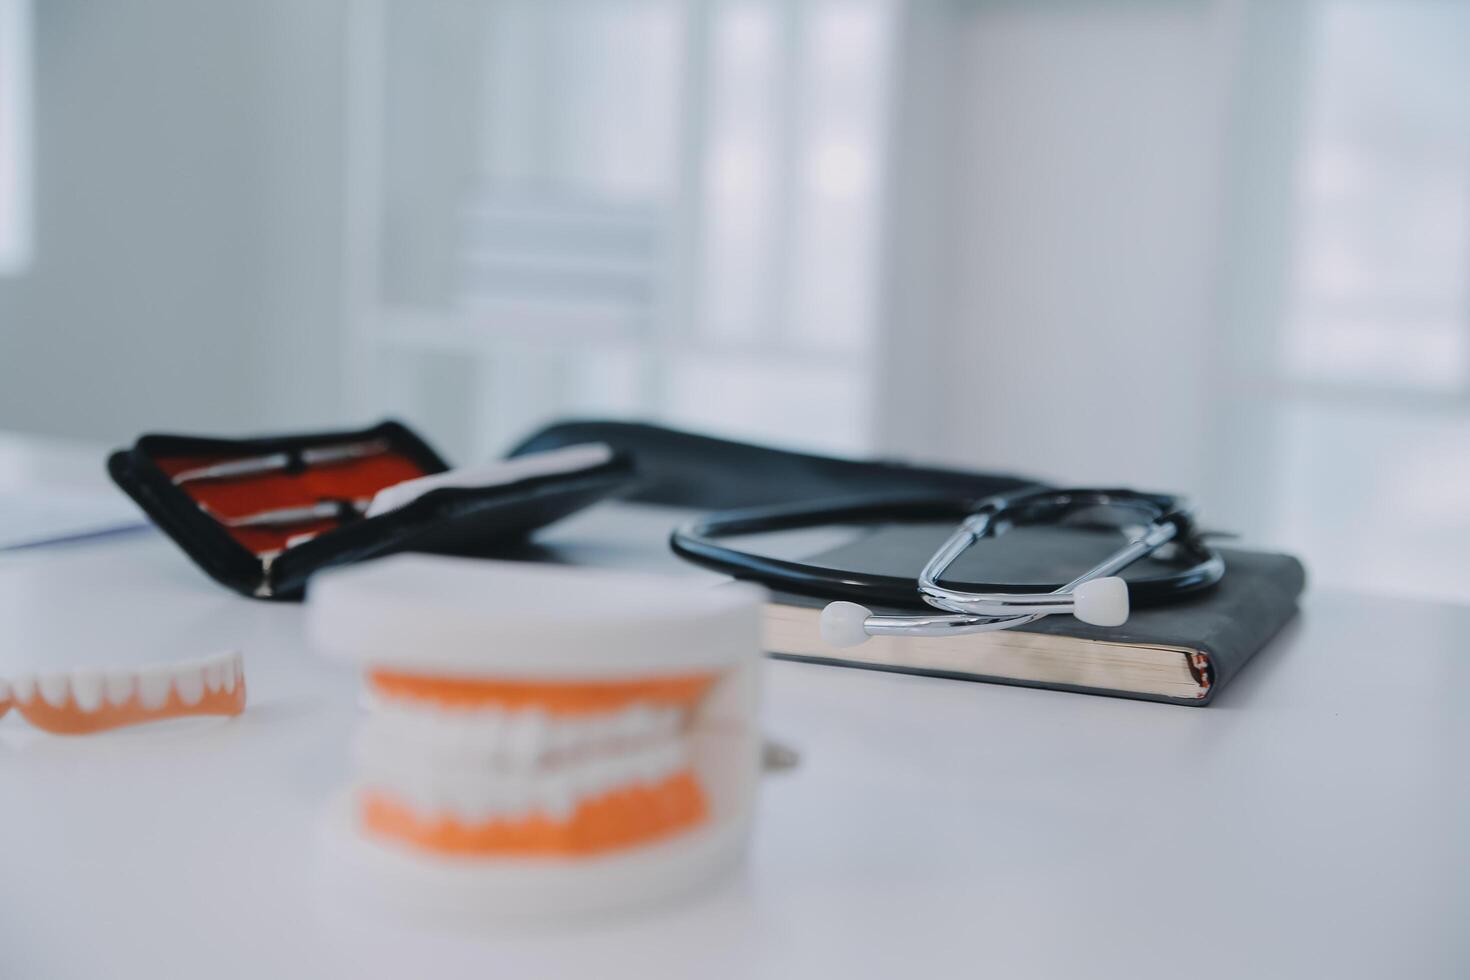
x,y
622,817
585,697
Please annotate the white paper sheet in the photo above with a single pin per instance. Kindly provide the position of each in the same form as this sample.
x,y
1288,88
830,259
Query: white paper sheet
x,y
30,518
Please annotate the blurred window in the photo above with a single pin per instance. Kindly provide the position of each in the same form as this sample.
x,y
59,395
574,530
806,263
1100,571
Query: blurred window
x,y
1376,343
1383,211
15,129
628,207
793,147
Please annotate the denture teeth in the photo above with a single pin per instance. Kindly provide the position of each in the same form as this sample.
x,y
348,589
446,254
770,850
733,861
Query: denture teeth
x,y
647,767
86,688
517,798
232,672
632,724
526,735
54,688
555,797
4,692
667,721
566,735
462,797
214,675
468,736
118,687
424,727
153,687
602,729
595,777
493,726
189,683
476,794
494,738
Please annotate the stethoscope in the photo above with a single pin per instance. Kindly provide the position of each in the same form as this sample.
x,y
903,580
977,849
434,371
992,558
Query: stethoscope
x,y
1097,596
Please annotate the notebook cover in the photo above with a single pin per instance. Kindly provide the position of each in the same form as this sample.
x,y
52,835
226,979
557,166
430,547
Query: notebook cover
x,y
1228,623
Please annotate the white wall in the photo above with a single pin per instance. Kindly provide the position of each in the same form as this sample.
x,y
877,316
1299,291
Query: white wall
x,y
1219,247
1065,292
187,216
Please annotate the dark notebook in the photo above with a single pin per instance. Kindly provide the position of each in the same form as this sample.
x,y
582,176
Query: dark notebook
x,y
1182,652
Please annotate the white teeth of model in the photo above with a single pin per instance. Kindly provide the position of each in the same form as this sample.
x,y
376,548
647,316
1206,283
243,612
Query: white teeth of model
x,y
4,691
599,776
462,797
399,720
414,785
525,736
612,774
417,789
675,757
509,796
555,797
657,763
644,767
436,738
232,672
607,730
86,687
668,721
493,802
589,732
153,687
635,769
214,675
627,725
516,799
118,687
189,682
565,736
454,738
487,729
54,688
604,776
594,733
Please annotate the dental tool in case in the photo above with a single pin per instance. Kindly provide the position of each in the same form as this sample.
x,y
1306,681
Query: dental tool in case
x,y
262,515
276,462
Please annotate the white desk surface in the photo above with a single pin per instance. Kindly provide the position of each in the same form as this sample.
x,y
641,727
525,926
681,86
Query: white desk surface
x,y
1313,822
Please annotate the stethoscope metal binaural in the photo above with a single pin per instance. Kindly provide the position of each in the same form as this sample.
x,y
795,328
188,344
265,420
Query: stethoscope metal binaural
x,y
1097,596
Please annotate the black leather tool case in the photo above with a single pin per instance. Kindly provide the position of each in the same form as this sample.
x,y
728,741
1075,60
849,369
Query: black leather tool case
x,y
687,469
260,515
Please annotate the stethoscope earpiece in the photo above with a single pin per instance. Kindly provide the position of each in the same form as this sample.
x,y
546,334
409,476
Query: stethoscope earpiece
x,y
1101,601
844,624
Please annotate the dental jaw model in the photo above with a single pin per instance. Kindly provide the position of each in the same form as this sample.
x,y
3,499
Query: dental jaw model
x,y
542,740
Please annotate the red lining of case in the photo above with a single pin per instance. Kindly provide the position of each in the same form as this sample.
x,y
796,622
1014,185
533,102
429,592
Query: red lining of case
x,y
238,496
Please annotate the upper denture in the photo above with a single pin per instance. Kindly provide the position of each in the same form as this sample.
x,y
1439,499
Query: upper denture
x,y
85,701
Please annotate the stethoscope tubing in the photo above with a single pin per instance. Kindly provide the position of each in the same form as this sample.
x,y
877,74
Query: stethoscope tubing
x,y
697,542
